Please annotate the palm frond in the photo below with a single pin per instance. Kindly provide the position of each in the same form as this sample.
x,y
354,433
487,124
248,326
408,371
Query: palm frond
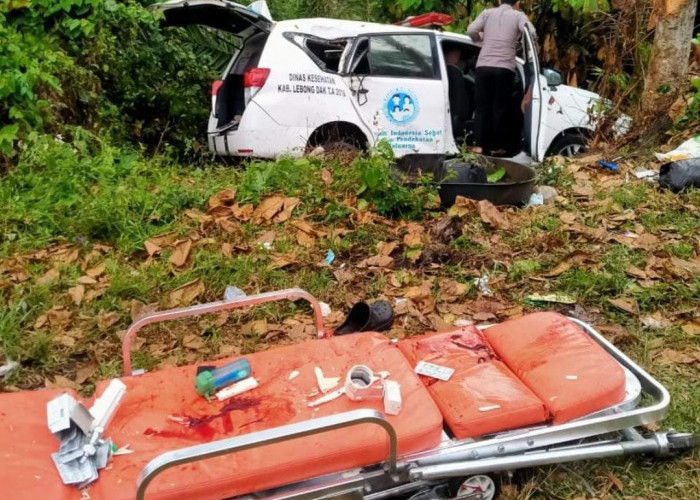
x,y
215,46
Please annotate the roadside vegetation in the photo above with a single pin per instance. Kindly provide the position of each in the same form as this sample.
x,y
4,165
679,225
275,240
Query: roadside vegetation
x,y
110,208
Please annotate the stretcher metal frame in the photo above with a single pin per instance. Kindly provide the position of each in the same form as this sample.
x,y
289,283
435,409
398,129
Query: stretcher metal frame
x,y
606,433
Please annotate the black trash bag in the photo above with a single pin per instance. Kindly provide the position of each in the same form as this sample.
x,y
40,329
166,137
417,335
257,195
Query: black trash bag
x,y
680,175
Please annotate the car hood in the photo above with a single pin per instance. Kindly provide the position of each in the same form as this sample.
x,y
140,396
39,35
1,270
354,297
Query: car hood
x,y
593,104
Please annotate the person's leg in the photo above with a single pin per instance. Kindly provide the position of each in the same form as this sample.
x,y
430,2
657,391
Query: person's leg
x,y
502,88
482,111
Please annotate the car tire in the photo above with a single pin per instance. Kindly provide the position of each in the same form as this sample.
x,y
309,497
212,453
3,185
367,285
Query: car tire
x,y
568,145
343,151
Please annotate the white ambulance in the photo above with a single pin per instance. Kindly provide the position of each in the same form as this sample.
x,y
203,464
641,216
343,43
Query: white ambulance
x,y
298,84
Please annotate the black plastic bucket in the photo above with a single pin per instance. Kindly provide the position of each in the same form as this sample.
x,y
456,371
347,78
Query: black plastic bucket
x,y
515,188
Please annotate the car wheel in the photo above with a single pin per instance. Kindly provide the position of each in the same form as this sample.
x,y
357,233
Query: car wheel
x,y
342,151
568,145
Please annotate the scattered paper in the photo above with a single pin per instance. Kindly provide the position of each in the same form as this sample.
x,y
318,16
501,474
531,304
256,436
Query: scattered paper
x,y
645,174
327,398
536,199
689,149
325,384
483,284
435,371
557,298
233,292
244,385
8,367
489,408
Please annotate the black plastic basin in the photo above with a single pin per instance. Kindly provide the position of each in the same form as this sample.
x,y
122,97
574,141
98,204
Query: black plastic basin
x,y
515,188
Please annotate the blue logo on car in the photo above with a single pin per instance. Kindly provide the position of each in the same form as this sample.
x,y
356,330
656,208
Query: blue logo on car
x,y
401,106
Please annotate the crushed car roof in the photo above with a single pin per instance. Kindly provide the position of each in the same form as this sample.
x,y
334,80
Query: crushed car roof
x,y
337,28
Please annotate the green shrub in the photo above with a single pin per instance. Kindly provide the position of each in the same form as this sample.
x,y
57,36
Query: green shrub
x,y
89,190
102,65
294,177
381,186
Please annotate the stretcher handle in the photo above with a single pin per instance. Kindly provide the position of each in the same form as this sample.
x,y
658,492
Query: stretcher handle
x,y
256,439
213,307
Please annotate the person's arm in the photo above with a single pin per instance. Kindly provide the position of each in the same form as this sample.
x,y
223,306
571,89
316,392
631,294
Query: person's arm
x,y
476,27
525,23
526,99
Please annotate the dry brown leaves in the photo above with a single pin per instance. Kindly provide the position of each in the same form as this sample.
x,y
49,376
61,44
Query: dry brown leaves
x,y
629,305
76,294
225,197
104,321
492,215
185,294
181,252
61,382
49,277
275,209
378,261
672,356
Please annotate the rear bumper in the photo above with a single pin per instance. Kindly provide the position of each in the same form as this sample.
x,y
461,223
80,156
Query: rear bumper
x,y
258,135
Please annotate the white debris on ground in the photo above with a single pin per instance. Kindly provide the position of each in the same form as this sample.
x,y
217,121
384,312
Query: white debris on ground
x,y
689,149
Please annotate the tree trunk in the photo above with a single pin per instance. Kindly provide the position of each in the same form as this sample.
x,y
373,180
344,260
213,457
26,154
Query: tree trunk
x,y
667,75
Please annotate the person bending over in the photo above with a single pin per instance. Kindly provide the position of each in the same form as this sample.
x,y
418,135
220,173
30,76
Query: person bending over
x,y
500,29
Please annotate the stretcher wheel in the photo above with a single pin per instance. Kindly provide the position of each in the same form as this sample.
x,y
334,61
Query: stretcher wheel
x,y
479,484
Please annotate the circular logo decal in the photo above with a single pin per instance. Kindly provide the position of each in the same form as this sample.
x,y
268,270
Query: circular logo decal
x,y
401,106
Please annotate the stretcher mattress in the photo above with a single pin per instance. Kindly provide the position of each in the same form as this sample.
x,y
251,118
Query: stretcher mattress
x,y
26,444
161,412
482,396
561,364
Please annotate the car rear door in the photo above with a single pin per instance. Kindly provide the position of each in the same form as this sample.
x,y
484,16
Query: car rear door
x,y
397,90
250,26
232,17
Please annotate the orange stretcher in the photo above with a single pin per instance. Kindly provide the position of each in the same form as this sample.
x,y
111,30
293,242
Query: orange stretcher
x,y
539,389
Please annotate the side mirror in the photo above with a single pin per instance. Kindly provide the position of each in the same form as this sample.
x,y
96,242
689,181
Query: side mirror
x,y
553,77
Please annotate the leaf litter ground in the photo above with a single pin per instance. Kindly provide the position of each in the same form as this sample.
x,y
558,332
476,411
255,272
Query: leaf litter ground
x,y
612,250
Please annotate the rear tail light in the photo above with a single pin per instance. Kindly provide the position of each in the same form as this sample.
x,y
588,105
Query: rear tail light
x,y
214,91
255,77
253,81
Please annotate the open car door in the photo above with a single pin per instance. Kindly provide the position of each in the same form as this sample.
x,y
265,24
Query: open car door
x,y
239,20
533,111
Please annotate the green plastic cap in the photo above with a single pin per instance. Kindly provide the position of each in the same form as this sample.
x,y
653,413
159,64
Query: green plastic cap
x,y
204,384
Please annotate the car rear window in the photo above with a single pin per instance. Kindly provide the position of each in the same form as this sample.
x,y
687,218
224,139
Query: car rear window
x,y
401,56
325,53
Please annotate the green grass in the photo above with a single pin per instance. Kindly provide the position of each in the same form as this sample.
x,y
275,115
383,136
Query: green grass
x,y
120,198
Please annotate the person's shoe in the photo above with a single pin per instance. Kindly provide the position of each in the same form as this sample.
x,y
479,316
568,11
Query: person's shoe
x,y
364,317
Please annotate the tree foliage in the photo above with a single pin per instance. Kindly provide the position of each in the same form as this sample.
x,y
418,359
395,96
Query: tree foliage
x,y
107,65
100,64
